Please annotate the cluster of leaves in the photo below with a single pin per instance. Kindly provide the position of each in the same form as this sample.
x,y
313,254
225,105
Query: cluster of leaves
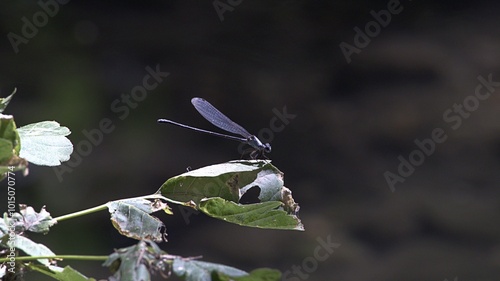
x,y
43,143
220,191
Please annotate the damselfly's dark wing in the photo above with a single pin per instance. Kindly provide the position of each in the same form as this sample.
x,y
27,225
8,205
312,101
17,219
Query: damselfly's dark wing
x,y
214,116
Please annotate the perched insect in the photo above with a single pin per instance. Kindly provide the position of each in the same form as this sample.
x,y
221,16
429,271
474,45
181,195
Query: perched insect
x,y
218,119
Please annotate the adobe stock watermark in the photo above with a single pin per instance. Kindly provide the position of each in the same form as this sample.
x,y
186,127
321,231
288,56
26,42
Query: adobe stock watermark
x,y
372,29
309,265
11,209
121,107
222,6
454,117
30,27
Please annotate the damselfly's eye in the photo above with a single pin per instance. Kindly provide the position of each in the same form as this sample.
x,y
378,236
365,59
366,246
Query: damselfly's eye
x,y
267,148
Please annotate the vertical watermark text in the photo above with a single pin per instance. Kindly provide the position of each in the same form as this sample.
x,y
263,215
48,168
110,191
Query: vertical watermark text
x,y
11,209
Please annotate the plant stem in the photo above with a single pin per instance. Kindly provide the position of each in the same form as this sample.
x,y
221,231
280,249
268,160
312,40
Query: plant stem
x,y
105,206
68,257
81,213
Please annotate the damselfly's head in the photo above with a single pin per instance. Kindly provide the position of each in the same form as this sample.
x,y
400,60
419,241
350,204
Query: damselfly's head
x,y
267,148
260,149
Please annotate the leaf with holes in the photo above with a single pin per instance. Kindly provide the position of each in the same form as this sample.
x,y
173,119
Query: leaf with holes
x,y
227,180
131,217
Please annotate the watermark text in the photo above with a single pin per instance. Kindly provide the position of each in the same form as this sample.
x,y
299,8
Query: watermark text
x,y
30,28
11,209
454,117
121,107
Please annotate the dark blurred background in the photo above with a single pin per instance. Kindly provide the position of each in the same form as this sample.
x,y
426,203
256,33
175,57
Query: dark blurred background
x,y
353,120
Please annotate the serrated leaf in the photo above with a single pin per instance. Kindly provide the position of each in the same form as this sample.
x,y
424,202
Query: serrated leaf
x,y
63,274
45,143
267,215
131,218
5,101
193,270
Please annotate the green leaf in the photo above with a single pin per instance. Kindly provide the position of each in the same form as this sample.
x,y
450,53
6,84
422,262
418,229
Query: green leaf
x,y
193,270
135,262
261,274
221,180
227,180
216,190
45,143
63,274
130,264
10,146
9,138
262,215
31,248
6,150
4,228
5,101
131,218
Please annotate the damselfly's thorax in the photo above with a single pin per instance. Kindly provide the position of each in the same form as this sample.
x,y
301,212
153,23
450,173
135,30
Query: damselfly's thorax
x,y
254,142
